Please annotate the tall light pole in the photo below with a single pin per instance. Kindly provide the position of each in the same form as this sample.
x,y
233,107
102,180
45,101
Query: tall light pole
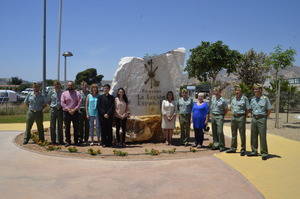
x,y
66,54
44,47
59,38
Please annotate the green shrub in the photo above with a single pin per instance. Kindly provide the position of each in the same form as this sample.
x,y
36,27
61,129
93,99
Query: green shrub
x,y
91,151
152,152
193,150
53,148
43,143
120,153
172,151
163,151
72,149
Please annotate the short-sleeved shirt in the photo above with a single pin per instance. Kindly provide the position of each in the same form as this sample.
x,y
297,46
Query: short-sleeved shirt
x,y
54,99
184,106
83,98
239,106
218,106
92,106
35,102
260,105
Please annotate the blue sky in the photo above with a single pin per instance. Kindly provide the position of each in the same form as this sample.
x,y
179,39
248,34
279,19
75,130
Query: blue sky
x,y
100,32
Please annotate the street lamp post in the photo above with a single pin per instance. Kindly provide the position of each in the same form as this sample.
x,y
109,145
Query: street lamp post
x,y
66,54
44,47
59,39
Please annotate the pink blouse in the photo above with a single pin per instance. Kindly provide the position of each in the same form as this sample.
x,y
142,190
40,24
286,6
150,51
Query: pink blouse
x,y
121,108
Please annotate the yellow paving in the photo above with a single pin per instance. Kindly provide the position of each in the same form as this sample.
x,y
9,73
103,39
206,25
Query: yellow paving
x,y
275,178
19,126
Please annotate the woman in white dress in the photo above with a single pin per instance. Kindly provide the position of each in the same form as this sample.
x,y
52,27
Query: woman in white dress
x,y
168,117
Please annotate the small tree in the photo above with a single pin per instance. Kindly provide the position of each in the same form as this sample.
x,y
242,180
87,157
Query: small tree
x,y
288,97
15,81
280,59
252,69
89,75
208,59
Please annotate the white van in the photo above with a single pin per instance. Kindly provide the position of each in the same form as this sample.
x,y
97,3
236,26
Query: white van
x,y
8,96
27,91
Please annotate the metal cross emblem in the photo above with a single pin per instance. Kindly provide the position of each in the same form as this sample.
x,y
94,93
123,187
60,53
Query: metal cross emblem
x,y
151,74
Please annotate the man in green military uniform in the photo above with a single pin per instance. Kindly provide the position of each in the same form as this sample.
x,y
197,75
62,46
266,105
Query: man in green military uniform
x,y
261,108
83,120
218,109
36,102
56,123
184,107
239,108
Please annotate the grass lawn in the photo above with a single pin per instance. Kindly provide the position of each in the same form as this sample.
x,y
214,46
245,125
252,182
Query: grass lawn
x,y
19,118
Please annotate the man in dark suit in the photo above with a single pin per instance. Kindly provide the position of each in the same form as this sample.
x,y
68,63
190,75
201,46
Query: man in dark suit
x,y
106,110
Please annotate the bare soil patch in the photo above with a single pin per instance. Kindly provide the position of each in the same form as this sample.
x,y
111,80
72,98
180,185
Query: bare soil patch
x,y
135,151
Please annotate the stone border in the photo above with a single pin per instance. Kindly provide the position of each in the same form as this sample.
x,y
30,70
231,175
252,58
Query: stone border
x,y
112,157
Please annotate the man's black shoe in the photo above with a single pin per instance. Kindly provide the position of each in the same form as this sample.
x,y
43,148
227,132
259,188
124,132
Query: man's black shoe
x,y
222,149
243,153
231,151
252,154
214,148
67,144
264,157
25,142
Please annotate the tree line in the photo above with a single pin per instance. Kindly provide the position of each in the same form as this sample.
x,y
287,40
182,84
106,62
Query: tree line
x,y
208,59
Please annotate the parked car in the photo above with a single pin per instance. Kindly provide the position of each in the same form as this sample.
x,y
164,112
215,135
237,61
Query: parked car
x,y
8,96
26,91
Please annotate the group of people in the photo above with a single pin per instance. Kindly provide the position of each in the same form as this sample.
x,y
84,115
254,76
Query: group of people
x,y
199,113
87,110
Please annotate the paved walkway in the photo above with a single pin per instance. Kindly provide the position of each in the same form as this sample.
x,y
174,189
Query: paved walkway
x,y
24,174
275,178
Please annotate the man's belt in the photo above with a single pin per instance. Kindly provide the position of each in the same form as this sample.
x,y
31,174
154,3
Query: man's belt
x,y
239,115
259,116
56,108
185,114
34,111
217,114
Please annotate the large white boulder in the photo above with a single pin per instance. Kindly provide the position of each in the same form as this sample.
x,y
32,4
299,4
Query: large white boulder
x,y
146,82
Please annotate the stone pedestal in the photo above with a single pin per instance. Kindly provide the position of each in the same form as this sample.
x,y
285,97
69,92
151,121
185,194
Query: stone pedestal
x,y
144,128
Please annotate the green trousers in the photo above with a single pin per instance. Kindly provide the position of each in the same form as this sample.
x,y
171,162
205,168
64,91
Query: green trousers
x,y
185,126
217,122
259,128
31,118
238,124
56,126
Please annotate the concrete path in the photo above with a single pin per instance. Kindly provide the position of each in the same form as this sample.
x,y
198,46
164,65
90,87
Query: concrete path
x,y
277,177
28,175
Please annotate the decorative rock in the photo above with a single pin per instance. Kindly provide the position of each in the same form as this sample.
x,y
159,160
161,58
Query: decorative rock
x,y
146,82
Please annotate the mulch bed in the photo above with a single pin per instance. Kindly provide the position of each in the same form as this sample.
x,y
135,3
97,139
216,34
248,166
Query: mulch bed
x,y
135,151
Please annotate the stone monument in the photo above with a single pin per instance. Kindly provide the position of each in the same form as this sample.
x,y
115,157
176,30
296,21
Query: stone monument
x,y
146,82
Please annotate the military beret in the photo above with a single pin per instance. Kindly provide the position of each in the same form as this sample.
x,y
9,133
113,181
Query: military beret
x,y
184,90
257,86
236,86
